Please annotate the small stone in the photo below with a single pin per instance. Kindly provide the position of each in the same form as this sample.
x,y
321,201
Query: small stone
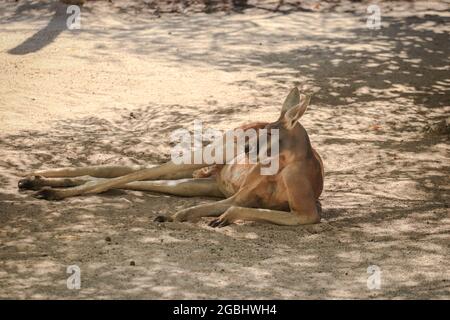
x,y
108,239
132,263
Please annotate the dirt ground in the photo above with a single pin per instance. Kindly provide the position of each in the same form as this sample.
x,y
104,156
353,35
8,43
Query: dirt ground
x,y
113,92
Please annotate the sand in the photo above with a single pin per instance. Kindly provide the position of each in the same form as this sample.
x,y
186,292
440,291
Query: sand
x,y
112,92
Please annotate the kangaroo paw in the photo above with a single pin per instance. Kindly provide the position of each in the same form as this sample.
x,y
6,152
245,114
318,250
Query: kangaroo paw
x,y
30,183
162,218
48,193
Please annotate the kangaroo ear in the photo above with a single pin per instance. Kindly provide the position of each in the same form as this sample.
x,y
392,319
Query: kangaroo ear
x,y
296,112
291,100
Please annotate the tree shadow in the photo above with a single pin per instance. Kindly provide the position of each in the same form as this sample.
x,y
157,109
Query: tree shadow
x,y
405,59
395,219
46,35
414,68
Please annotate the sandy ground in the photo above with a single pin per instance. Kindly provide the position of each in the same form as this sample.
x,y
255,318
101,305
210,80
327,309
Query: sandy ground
x,y
113,92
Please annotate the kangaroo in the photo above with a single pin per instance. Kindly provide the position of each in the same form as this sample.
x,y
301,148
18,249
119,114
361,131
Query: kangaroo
x,y
288,197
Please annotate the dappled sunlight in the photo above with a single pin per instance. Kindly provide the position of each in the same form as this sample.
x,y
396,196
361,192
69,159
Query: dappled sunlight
x,y
119,87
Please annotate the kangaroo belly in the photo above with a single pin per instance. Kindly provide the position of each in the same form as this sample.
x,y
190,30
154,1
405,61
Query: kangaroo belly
x,y
264,191
231,177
